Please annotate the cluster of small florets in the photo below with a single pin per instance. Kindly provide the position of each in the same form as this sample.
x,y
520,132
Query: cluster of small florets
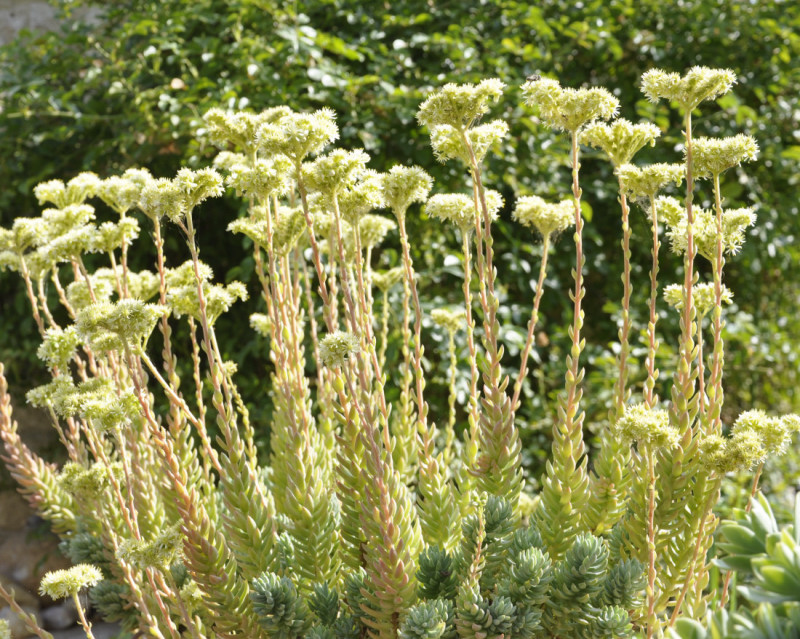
x,y
448,144
703,297
648,427
76,191
183,296
161,198
298,135
621,139
449,319
290,227
713,156
261,179
336,348
58,346
60,584
122,193
332,173
699,83
775,432
704,229
646,181
459,105
456,208
158,553
569,109
87,483
261,324
196,187
546,218
387,279
130,320
110,236
95,399
364,196
724,455
372,230
239,128
404,185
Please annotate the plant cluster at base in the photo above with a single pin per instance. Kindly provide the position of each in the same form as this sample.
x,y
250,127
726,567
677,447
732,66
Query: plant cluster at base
x,y
375,517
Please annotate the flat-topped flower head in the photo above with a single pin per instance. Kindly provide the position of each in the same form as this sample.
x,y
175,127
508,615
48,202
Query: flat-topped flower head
x,y
196,187
448,144
60,584
703,297
58,346
699,84
670,210
76,191
404,185
58,222
647,426
713,156
130,320
161,198
773,431
158,553
621,139
239,128
70,245
459,105
263,179
114,235
332,173
569,109
791,422
646,181
547,218
456,208
290,225
142,285
723,455
102,287
449,319
261,324
364,196
226,160
185,300
374,229
336,348
120,193
298,135
387,279
87,483
705,233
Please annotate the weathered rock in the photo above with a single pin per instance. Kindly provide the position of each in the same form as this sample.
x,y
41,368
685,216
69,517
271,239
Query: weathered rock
x,y
14,511
100,630
59,617
22,596
25,557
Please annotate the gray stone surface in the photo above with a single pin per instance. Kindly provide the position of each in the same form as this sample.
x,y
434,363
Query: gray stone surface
x,y
59,617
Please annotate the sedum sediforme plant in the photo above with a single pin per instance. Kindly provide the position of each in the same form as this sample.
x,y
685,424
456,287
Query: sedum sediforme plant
x,y
374,517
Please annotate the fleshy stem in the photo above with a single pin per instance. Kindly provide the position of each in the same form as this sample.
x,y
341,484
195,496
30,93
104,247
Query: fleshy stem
x,y
534,319
652,347
620,389
716,398
687,583
651,541
451,398
87,627
753,488
565,485
473,355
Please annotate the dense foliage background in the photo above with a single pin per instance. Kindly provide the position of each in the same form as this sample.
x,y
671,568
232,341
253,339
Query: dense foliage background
x,y
129,89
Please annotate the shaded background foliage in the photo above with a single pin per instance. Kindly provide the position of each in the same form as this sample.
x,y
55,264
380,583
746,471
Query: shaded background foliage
x,y
129,89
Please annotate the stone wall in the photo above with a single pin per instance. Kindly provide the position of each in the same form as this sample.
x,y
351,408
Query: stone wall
x,y
16,15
